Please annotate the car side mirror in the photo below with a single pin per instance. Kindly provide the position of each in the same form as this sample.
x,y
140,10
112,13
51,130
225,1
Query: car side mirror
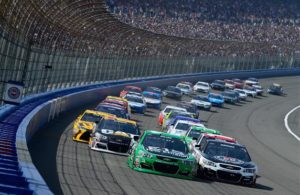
x,y
197,146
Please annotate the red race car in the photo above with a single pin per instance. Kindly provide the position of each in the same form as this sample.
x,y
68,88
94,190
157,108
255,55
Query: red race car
x,y
131,89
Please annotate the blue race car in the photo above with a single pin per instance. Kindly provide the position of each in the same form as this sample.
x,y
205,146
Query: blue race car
x,y
137,103
155,90
152,99
216,99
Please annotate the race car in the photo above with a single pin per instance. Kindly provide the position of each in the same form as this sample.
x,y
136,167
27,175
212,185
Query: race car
x,y
229,84
118,111
251,91
238,83
155,90
114,135
191,108
218,85
194,132
201,102
251,81
131,89
137,103
224,160
119,103
166,110
247,92
259,89
85,124
163,154
174,120
242,94
230,97
182,126
201,87
173,92
275,89
216,99
152,99
171,115
186,89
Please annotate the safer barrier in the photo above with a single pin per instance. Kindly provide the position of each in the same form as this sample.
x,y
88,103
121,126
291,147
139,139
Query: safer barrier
x,y
18,124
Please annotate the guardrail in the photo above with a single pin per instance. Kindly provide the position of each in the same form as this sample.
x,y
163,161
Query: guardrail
x,y
19,123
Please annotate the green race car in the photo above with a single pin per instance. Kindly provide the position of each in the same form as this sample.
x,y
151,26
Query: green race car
x,y
195,132
163,154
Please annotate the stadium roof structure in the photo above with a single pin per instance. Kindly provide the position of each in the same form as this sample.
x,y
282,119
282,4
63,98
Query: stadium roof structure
x,y
88,26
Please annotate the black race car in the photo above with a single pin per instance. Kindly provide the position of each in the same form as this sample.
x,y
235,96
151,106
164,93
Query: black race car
x,y
218,84
172,92
275,89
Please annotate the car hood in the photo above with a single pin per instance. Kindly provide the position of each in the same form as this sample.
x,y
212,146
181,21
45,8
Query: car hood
x,y
152,101
202,102
229,160
167,152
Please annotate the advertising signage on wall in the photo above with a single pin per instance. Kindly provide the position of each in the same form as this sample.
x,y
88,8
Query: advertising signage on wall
x,y
13,92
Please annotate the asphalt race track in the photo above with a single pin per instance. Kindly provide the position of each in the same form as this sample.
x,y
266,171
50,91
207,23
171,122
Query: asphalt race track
x,y
71,168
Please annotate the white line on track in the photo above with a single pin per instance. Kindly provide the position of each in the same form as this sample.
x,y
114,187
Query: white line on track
x,y
286,123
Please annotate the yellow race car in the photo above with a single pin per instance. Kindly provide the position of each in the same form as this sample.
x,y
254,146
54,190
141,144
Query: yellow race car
x,y
86,123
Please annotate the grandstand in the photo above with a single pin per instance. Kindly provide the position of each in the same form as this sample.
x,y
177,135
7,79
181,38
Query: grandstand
x,y
58,44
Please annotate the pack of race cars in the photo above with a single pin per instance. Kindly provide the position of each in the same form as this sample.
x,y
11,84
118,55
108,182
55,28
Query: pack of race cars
x,y
184,147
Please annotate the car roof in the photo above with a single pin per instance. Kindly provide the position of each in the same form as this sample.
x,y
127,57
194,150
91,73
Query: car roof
x,y
97,113
116,98
133,95
206,130
132,87
126,121
174,107
151,93
220,137
184,118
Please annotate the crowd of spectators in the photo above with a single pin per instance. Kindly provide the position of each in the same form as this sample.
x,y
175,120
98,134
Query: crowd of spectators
x,y
276,21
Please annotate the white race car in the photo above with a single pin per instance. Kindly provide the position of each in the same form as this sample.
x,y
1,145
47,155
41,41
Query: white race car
x,y
250,93
242,94
222,158
185,88
166,110
201,87
201,102
182,126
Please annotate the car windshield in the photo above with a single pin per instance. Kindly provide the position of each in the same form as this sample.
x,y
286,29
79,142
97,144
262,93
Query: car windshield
x,y
109,124
232,95
153,89
194,134
174,114
215,96
111,110
134,99
183,126
174,89
202,84
218,149
167,146
220,82
89,117
230,82
151,96
183,86
128,128
241,91
201,98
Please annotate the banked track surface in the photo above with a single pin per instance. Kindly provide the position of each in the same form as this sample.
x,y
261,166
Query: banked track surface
x,y
72,168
